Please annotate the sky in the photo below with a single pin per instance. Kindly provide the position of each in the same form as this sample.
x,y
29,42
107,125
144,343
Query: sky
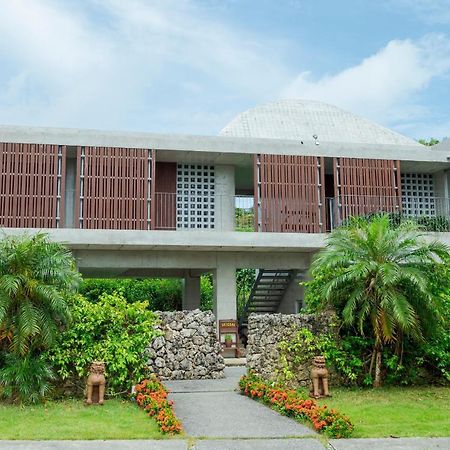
x,y
190,66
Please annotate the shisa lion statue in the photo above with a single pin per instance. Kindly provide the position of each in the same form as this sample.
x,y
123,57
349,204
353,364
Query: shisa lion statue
x,y
319,377
96,383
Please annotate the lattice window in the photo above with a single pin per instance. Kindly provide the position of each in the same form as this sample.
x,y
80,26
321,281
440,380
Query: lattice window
x,y
195,196
418,194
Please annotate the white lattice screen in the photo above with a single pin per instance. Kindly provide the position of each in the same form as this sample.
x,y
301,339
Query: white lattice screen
x,y
195,196
418,194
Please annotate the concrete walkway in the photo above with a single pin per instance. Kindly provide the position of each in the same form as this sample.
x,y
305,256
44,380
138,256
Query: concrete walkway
x,y
213,408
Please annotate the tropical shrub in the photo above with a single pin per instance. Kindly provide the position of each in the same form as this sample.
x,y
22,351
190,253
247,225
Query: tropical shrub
x,y
36,275
245,278
162,294
151,395
26,378
110,330
304,345
381,281
206,292
295,404
425,223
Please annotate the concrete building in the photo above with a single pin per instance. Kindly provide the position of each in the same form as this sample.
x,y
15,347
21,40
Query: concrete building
x,y
261,195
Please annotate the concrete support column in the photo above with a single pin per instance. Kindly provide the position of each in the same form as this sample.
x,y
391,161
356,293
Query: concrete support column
x,y
224,277
191,292
293,298
224,187
442,192
71,172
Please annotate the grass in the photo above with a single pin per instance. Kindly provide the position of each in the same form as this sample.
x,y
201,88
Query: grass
x,y
395,411
71,419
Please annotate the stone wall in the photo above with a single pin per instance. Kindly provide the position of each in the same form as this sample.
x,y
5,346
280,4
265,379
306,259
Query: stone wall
x,y
266,331
188,348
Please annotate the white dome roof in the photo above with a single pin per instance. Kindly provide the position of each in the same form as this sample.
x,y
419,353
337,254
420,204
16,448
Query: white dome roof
x,y
301,119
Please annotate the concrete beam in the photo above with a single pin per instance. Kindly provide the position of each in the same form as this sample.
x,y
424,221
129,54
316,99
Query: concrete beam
x,y
138,263
207,240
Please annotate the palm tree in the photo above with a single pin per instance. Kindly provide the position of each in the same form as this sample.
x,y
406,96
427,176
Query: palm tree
x,y
35,276
380,277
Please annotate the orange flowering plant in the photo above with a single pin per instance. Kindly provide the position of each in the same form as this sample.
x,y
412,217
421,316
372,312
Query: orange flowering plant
x,y
151,395
294,404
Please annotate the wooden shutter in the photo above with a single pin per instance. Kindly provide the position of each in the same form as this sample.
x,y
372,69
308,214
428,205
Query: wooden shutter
x,y
165,196
364,186
32,185
114,188
289,193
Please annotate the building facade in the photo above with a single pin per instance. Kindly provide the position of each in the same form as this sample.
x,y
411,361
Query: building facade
x,y
261,195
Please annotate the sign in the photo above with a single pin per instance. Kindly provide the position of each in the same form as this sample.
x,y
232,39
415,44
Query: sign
x,y
229,336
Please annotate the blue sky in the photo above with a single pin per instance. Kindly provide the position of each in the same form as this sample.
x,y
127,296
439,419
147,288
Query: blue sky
x,y
190,66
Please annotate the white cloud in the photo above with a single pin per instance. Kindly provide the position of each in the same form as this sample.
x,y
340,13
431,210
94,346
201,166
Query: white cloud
x,y
172,65
66,67
385,85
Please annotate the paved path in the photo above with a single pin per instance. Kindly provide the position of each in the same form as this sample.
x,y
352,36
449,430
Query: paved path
x,y
213,408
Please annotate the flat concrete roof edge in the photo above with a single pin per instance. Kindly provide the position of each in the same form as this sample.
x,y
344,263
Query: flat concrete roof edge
x,y
218,144
189,240
179,240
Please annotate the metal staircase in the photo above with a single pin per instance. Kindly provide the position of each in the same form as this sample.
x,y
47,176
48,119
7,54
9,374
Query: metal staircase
x,y
267,293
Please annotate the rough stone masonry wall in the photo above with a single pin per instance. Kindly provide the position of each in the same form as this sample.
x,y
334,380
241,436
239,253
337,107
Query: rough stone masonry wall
x,y
188,348
266,331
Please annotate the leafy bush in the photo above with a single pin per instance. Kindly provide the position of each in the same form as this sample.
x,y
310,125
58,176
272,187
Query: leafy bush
x,y
245,278
151,395
426,223
295,404
162,294
304,345
206,292
26,378
110,330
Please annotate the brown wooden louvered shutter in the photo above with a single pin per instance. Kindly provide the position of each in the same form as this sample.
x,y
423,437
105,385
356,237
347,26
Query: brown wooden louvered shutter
x,y
165,196
289,193
365,186
113,188
32,185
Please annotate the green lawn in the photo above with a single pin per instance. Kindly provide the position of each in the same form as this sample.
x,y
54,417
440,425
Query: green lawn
x,y
402,411
71,419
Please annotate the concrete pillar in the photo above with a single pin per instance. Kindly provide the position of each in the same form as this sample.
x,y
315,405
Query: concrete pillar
x,y
293,298
442,192
191,292
224,189
224,277
70,220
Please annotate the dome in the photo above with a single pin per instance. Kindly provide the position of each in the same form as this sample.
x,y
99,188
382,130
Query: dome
x,y
301,119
